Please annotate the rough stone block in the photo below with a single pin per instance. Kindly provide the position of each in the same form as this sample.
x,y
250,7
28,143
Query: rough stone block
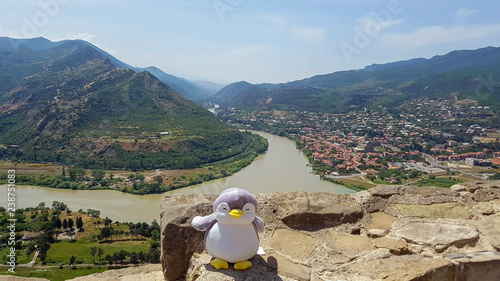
x,y
294,244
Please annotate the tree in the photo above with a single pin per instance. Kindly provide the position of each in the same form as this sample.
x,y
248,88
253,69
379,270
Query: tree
x,y
154,225
72,261
65,223
100,252
59,205
76,173
70,223
43,245
155,235
93,213
116,257
139,176
72,174
104,182
109,259
133,258
41,206
122,256
56,222
153,255
98,175
108,221
106,233
158,179
79,223
141,256
42,256
93,252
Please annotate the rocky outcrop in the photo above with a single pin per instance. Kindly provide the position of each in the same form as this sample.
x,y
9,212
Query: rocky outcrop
x,y
17,278
385,233
151,272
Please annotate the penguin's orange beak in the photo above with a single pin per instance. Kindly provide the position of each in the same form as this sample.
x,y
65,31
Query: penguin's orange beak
x,y
235,213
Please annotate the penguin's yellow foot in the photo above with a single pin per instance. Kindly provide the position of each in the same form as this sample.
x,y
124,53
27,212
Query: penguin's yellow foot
x,y
219,264
242,265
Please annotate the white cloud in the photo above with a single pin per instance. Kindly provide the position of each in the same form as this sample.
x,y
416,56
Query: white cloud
x,y
436,35
252,50
91,38
84,36
308,35
462,14
382,24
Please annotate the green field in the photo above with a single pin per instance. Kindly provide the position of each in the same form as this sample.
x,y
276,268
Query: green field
x,y
439,182
20,255
61,252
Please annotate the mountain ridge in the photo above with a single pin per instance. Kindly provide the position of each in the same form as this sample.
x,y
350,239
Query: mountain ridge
x,y
438,76
187,88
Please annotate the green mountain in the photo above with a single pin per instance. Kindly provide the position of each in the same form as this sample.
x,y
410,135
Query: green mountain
x,y
188,89
66,102
469,74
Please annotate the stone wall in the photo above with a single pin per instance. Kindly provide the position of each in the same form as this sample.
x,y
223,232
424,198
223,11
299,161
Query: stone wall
x,y
385,233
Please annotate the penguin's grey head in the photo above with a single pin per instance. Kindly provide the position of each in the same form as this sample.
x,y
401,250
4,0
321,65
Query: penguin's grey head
x,y
235,206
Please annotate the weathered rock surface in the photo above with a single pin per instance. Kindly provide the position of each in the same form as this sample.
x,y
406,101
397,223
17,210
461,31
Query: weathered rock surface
x,y
151,272
16,278
294,244
385,233
435,234
435,211
395,244
490,227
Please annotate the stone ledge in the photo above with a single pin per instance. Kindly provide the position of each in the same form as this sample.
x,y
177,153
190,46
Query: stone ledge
x,y
372,235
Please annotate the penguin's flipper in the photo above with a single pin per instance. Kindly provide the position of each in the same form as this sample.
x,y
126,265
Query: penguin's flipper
x,y
258,224
203,223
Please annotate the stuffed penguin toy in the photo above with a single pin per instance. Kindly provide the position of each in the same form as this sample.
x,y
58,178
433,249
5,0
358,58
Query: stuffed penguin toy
x,y
231,230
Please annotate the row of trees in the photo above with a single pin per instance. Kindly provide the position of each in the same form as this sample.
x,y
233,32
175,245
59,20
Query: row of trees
x,y
139,230
121,257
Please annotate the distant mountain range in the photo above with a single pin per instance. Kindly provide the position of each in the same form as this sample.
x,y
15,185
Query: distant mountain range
x,y
70,102
468,74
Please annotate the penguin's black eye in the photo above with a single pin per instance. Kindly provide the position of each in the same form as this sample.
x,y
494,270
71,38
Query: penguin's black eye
x,y
224,209
247,209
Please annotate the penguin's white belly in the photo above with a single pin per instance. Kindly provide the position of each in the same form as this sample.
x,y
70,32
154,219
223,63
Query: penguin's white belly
x,y
232,243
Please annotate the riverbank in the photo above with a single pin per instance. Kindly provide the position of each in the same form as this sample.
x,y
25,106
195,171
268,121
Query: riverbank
x,y
148,182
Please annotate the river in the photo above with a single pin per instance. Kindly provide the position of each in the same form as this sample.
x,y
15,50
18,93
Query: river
x,y
282,168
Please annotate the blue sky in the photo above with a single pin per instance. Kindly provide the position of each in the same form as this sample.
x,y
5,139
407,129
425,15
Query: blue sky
x,y
259,40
